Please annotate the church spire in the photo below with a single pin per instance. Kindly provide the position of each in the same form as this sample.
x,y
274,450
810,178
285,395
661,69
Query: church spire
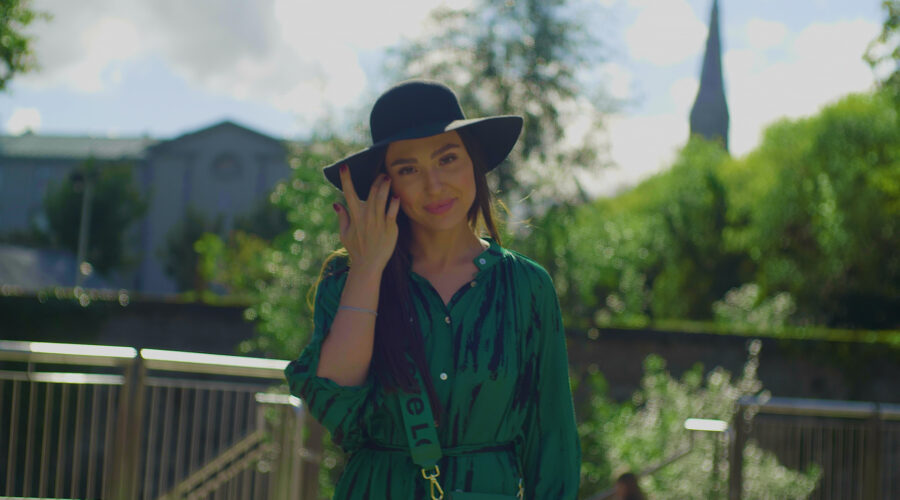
x,y
709,116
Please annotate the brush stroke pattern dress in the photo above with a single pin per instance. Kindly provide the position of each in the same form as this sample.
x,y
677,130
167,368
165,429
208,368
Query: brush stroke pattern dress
x,y
498,359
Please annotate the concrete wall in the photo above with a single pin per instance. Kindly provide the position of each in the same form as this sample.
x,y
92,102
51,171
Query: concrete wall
x,y
788,368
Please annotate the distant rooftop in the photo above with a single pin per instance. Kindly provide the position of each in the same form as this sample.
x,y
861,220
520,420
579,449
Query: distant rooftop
x,y
82,147
31,145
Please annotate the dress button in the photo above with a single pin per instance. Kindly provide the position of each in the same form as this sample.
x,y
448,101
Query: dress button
x,y
482,261
443,376
447,319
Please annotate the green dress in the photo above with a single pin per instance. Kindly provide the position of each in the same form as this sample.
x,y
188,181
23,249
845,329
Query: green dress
x,y
498,359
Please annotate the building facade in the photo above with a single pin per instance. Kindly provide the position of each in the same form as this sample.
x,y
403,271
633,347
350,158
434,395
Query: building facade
x,y
221,172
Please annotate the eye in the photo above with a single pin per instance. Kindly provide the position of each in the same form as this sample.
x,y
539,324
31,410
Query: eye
x,y
405,170
446,159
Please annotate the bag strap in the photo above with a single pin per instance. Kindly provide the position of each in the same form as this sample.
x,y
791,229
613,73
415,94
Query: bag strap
x,y
421,435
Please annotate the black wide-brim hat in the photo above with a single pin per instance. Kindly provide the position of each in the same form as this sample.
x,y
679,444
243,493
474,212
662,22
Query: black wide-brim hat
x,y
419,108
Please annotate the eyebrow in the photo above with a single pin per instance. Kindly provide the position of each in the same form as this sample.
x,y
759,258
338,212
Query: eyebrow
x,y
436,152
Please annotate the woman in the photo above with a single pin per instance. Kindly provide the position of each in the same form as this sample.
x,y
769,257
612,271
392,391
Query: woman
x,y
438,359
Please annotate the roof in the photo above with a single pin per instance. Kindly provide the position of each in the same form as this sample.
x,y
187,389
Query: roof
x,y
216,127
35,269
30,145
74,147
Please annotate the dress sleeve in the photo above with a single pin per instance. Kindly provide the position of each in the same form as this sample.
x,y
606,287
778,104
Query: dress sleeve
x,y
551,449
340,409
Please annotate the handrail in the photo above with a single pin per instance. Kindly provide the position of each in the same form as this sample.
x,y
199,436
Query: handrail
x,y
823,407
154,359
159,359
53,352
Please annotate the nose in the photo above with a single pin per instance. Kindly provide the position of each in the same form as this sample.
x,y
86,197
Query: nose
x,y
433,181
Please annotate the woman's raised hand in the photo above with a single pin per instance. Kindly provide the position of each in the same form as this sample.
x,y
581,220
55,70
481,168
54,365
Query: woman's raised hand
x,y
368,232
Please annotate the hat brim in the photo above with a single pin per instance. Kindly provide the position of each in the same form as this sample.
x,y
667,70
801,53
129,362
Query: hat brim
x,y
497,135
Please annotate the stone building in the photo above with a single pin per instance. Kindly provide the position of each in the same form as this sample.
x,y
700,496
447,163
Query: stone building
x,y
221,171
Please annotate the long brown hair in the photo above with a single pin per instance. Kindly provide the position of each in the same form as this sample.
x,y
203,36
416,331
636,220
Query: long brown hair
x,y
397,329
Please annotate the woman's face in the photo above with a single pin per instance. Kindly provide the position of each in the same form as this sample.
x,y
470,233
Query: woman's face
x,y
434,179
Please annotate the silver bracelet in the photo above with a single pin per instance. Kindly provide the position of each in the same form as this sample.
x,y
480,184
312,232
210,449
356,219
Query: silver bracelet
x,y
359,309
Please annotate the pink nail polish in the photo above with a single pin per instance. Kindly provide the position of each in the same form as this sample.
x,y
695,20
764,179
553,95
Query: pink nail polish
x,y
343,168
337,208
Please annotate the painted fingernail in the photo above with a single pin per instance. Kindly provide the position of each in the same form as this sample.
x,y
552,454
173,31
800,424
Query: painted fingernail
x,y
343,168
337,208
396,196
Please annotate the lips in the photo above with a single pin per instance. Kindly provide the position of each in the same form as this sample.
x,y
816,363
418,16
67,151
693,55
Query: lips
x,y
440,207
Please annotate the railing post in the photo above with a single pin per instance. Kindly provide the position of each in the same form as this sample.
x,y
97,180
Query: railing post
x,y
126,454
312,458
736,454
873,458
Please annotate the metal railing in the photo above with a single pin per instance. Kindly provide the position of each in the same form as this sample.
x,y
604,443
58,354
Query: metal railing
x,y
82,421
856,445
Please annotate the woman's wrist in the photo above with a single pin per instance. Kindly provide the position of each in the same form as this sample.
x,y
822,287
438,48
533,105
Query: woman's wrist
x,y
365,275
362,287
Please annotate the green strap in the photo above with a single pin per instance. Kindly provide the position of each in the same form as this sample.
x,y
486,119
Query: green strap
x,y
420,426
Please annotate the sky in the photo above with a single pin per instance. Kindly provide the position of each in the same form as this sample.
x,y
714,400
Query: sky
x,y
126,68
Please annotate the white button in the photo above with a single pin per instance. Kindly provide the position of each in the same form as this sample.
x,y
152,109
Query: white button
x,y
473,283
443,376
447,319
482,261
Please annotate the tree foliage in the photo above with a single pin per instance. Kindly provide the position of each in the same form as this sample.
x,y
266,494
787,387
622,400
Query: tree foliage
x,y
642,433
116,204
801,231
826,228
883,53
16,54
180,260
525,58
277,276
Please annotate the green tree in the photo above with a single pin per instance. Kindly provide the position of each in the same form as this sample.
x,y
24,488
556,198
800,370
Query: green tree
x,y
522,58
826,229
654,252
116,204
16,54
801,231
277,277
180,260
883,53
697,267
266,221
642,433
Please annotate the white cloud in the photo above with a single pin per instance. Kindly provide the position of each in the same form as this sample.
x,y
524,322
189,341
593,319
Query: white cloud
x,y
22,120
666,32
615,78
819,65
763,34
78,48
300,57
640,146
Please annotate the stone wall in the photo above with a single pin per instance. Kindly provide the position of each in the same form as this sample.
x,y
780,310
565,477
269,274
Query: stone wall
x,y
788,368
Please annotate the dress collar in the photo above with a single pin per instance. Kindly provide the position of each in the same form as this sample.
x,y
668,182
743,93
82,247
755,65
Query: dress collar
x,y
490,256
487,258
